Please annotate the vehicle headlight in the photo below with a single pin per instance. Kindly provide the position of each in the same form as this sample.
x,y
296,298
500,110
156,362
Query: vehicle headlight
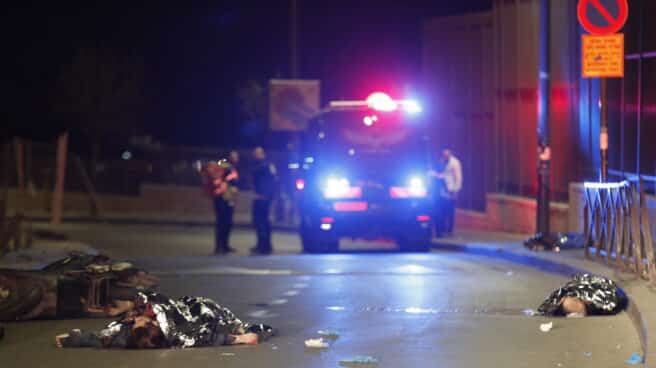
x,y
336,187
417,186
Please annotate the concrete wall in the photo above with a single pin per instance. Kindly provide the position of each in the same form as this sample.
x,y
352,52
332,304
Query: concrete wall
x,y
512,214
168,200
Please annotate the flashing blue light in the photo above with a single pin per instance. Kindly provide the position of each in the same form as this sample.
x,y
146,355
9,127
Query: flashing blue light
x,y
411,106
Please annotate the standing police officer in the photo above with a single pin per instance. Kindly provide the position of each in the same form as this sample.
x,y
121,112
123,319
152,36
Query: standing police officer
x,y
264,180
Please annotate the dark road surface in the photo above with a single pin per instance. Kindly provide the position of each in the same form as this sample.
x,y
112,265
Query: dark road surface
x,y
442,309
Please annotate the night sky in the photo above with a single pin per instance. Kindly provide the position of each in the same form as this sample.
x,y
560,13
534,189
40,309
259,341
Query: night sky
x,y
195,57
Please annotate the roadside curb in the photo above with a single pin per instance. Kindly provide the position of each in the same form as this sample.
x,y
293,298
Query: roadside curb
x,y
637,290
163,222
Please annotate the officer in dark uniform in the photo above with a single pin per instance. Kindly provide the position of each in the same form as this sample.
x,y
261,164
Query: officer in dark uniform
x,y
264,180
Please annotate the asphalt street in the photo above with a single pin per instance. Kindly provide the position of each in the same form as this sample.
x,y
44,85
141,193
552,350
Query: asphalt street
x,y
440,309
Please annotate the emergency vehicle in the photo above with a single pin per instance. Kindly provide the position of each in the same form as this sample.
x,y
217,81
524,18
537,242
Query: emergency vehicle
x,y
364,174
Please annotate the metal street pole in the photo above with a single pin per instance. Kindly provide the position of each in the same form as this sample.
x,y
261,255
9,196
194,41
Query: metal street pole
x,y
544,152
603,131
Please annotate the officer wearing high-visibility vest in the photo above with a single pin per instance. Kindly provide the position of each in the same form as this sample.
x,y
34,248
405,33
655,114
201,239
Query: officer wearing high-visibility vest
x,y
219,180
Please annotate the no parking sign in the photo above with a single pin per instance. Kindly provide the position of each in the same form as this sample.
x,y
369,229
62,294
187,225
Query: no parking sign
x,y
603,49
602,17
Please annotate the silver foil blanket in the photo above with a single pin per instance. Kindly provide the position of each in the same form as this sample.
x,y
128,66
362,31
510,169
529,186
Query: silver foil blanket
x,y
192,321
601,296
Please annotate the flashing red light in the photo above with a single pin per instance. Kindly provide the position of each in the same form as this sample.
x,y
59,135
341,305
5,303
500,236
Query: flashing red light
x,y
327,220
350,206
300,184
423,218
381,101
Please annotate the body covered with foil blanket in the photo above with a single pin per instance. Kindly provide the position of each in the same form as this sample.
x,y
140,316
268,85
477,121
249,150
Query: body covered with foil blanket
x,y
600,295
197,321
181,323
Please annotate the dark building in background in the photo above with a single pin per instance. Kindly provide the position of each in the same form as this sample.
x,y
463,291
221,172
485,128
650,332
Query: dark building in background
x,y
482,74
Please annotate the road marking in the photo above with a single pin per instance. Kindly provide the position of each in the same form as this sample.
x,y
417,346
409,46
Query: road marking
x,y
279,301
225,271
262,313
290,293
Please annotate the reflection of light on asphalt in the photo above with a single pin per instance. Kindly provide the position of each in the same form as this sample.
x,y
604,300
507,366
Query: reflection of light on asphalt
x,y
415,310
414,268
335,308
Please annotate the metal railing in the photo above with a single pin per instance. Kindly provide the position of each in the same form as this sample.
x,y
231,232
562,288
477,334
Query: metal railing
x,y
617,227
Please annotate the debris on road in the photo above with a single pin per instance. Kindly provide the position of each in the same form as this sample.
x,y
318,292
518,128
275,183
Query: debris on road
x,y
290,293
227,354
358,360
509,273
635,359
546,327
575,315
529,312
279,301
329,334
588,354
316,343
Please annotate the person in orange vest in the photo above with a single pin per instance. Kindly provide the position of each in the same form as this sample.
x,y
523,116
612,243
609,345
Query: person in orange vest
x,y
219,180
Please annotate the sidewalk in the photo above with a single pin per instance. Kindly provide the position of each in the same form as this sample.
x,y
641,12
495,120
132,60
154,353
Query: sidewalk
x,y
642,309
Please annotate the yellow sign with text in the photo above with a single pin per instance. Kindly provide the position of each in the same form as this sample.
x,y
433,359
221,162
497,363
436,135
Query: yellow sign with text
x,y
603,56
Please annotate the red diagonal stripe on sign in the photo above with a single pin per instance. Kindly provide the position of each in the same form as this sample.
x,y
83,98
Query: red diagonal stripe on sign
x,y
603,11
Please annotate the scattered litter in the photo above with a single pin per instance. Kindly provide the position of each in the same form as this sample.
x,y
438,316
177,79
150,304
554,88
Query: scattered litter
x,y
316,343
509,273
635,359
587,354
575,315
274,347
358,360
330,334
618,347
546,327
290,293
559,365
228,354
529,312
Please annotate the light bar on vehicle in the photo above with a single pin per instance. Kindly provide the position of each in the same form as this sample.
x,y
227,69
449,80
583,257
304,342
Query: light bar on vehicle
x,y
379,101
